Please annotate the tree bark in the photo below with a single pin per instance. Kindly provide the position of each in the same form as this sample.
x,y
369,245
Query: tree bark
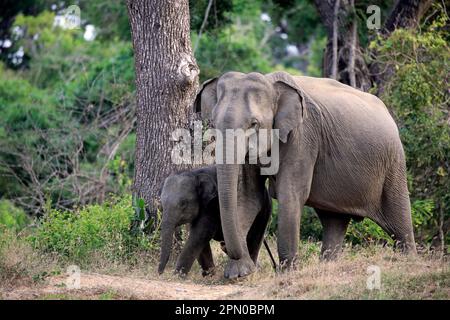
x,y
166,83
406,14
343,59
352,54
334,61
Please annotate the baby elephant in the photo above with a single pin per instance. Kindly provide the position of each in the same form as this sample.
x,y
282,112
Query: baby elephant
x,y
191,197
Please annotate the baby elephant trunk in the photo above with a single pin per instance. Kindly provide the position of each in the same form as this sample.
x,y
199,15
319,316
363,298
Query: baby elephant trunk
x,y
167,231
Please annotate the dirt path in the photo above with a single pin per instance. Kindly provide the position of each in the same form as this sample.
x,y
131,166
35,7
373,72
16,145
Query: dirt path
x,y
99,286
402,277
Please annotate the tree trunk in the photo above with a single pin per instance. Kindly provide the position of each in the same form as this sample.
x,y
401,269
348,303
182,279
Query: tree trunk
x,y
334,60
352,54
166,83
406,14
343,59
352,68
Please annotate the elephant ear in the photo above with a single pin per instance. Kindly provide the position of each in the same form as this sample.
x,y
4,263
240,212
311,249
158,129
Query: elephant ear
x,y
206,188
290,104
206,98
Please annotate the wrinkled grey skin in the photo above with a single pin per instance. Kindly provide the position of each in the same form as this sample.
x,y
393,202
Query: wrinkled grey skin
x,y
191,197
340,153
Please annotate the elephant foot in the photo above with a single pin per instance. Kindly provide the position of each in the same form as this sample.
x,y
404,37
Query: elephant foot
x,y
330,254
239,268
406,247
287,264
209,272
181,272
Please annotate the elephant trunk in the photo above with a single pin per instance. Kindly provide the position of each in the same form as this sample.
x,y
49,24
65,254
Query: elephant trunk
x,y
227,181
167,231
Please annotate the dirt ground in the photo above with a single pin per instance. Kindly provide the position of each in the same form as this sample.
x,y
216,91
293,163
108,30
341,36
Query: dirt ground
x,y
344,280
100,286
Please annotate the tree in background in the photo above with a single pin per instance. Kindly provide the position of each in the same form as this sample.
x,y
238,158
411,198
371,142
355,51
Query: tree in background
x,y
345,23
166,82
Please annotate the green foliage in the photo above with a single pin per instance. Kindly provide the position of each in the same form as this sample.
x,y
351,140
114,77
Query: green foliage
x,y
23,106
417,93
12,217
110,18
315,57
139,218
96,229
234,47
310,228
301,18
63,116
219,16
366,232
243,44
422,212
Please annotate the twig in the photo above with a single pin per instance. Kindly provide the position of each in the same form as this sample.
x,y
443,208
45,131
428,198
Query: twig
x,y
205,19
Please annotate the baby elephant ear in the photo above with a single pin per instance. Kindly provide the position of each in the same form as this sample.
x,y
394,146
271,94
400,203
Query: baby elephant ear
x,y
206,188
206,98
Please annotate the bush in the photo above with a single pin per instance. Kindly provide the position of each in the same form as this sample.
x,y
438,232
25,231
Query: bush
x,y
61,131
12,217
96,229
417,94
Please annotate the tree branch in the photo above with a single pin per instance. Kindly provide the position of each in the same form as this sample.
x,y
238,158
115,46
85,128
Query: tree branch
x,y
205,19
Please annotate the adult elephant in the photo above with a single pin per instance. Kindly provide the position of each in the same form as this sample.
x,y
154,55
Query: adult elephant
x,y
339,152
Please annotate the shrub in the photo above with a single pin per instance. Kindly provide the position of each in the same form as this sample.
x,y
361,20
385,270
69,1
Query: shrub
x,y
12,217
96,229
417,94
57,128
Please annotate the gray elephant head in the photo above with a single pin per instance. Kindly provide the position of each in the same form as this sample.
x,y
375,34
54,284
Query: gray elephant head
x,y
183,196
247,101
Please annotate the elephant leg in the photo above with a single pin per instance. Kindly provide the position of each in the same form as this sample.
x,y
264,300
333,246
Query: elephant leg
x,y
252,198
201,232
206,261
256,234
289,214
292,193
246,265
334,229
395,216
293,185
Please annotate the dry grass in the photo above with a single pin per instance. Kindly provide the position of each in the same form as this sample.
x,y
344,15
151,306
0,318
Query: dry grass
x,y
26,274
422,277
21,264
